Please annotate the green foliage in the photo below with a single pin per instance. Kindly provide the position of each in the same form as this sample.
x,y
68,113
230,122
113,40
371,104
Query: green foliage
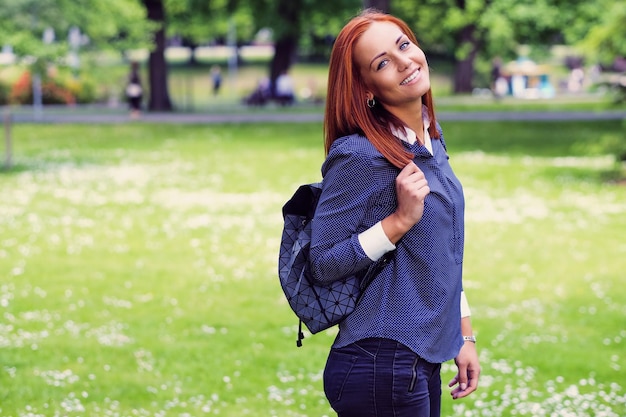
x,y
605,40
204,21
84,89
321,17
501,26
112,24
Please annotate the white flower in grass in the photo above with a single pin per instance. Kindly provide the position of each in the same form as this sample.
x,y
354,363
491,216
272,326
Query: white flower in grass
x,y
58,378
110,335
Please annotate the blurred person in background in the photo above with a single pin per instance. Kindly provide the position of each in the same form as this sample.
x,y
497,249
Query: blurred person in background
x,y
134,91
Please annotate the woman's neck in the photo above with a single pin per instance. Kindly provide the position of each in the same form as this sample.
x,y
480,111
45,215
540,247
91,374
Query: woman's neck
x,y
413,119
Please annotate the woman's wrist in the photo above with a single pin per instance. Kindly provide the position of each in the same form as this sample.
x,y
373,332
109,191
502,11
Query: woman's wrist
x,y
395,227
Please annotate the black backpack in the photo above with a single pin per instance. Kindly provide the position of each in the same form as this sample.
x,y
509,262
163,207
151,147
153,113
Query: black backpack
x,y
318,306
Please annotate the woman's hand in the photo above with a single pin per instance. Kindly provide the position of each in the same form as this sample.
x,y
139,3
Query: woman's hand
x,y
411,190
469,371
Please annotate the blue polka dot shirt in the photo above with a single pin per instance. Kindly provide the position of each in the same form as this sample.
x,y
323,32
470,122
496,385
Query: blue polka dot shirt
x,y
415,299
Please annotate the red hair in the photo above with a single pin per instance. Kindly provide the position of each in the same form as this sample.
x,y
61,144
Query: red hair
x,y
346,109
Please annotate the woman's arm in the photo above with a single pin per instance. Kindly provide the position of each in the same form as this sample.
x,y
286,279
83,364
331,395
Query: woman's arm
x,y
348,187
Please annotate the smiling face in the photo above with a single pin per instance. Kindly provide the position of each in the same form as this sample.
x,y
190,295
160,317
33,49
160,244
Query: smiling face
x,y
393,68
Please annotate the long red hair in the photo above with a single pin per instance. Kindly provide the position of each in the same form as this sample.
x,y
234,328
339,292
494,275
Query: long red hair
x,y
346,107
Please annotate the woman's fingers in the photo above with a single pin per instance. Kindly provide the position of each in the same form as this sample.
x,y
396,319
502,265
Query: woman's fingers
x,y
412,180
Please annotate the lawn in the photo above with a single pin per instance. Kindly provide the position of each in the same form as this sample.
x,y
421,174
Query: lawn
x,y
138,271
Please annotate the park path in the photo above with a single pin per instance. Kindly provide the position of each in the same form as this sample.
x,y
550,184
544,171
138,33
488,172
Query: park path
x,y
54,117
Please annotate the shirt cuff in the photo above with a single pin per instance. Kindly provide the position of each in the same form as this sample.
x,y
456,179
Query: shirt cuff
x,y
375,242
465,308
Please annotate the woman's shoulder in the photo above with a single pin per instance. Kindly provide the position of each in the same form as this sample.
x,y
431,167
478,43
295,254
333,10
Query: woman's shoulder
x,y
355,151
355,144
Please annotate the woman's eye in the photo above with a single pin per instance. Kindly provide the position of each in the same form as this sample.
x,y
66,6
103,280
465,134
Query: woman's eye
x,y
405,45
382,64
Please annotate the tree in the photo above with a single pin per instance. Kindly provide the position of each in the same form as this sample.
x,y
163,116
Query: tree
x,y
450,28
286,44
294,23
445,27
197,22
291,19
466,36
49,32
469,30
599,30
159,95
111,25
382,5
200,22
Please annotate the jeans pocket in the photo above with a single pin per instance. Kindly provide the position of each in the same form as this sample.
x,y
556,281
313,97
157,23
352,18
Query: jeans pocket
x,y
414,373
337,371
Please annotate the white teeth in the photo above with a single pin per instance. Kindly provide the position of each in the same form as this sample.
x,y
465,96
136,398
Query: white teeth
x,y
410,78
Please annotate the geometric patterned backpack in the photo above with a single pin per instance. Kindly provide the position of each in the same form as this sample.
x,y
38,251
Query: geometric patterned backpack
x,y
317,306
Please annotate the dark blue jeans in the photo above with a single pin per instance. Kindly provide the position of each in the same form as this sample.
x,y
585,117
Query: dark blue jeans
x,y
381,378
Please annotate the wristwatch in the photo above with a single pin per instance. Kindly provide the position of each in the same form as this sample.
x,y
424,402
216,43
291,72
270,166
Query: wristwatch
x,y
469,339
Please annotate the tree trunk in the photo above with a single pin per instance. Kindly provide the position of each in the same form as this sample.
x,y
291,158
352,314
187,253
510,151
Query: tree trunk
x,y
382,5
467,45
159,96
284,55
464,68
286,46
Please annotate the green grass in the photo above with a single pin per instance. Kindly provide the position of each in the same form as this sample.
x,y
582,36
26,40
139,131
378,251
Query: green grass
x,y
138,271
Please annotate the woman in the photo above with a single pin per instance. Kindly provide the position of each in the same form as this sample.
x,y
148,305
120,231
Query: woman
x,y
134,91
388,187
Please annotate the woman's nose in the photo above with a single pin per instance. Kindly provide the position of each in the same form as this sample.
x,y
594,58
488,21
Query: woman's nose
x,y
404,62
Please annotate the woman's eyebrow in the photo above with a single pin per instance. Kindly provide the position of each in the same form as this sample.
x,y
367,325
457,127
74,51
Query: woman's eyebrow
x,y
383,53
376,57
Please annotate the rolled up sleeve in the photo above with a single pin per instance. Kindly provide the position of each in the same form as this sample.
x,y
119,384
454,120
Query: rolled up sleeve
x,y
375,242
